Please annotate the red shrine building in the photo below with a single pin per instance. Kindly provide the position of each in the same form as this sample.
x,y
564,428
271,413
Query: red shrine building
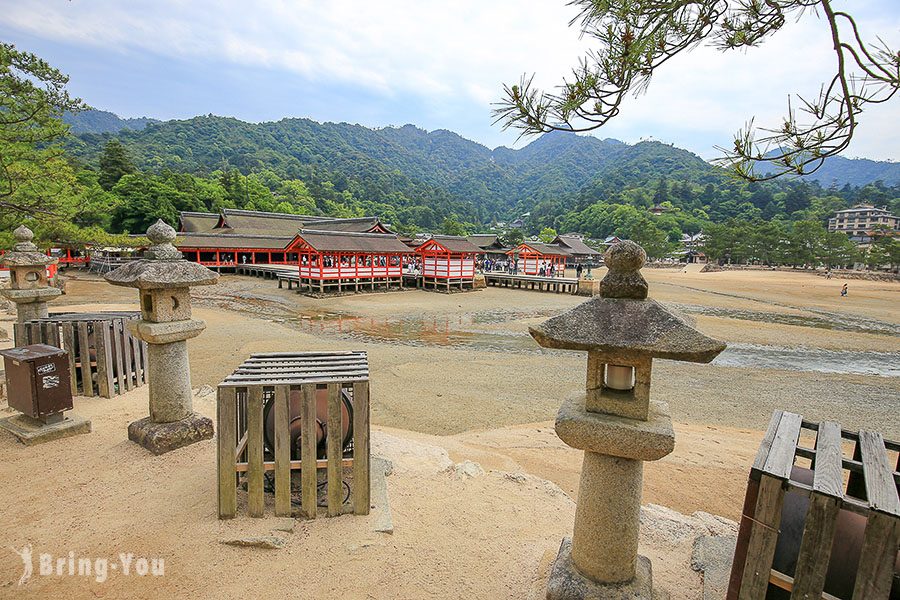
x,y
246,237
447,263
339,261
537,258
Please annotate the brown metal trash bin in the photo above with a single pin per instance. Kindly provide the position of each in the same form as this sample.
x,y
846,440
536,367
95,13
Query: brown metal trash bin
x,y
38,380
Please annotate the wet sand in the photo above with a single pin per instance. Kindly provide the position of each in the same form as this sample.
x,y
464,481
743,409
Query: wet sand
x,y
442,386
436,367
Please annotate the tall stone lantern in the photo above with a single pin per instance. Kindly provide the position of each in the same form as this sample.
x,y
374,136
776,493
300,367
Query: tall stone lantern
x,y
616,424
28,277
163,279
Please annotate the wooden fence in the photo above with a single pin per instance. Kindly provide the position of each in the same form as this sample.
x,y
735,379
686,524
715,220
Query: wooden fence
x,y
104,358
850,473
269,379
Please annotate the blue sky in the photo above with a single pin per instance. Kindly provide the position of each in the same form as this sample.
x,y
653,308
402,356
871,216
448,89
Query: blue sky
x,y
436,64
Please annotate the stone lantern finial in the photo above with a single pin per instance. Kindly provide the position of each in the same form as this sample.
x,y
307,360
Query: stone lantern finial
x,y
29,286
161,234
616,424
164,280
624,280
23,237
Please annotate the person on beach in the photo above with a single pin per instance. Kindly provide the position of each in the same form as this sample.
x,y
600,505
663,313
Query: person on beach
x,y
578,270
844,290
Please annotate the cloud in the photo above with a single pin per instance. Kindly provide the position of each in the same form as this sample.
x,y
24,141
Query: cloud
x,y
453,57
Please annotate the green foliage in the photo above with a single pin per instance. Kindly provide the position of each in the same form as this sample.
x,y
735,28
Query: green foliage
x,y
33,172
802,244
114,163
547,235
512,237
451,226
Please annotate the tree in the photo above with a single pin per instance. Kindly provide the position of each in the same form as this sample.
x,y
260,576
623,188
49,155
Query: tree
x,y
451,226
837,250
636,37
114,163
547,235
35,179
512,237
806,241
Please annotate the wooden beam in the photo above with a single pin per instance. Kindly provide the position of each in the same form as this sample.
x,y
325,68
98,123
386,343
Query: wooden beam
x,y
255,498
763,537
335,443
361,475
226,434
282,451
309,481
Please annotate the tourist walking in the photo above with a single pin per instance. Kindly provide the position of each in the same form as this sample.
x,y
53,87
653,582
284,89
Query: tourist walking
x,y
578,270
844,290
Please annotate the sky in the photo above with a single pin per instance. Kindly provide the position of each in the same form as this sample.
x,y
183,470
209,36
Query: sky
x,y
435,64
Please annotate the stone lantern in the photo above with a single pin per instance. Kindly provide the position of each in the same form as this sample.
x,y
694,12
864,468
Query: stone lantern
x,y
163,279
28,277
616,424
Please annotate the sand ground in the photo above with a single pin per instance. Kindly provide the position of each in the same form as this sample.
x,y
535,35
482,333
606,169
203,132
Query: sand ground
x,y
444,390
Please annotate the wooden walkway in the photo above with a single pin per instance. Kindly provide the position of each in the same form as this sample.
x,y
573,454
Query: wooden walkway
x,y
559,285
288,275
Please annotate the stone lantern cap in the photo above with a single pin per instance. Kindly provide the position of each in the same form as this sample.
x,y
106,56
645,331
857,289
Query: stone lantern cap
x,y
622,321
162,266
24,252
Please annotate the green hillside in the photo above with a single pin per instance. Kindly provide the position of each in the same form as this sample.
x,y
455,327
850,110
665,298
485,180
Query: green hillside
x,y
438,180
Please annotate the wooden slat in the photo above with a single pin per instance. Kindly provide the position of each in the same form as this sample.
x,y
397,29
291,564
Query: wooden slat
x,y
335,447
361,480
20,337
821,515
84,353
763,537
257,355
145,360
815,546
763,453
308,495
51,333
68,333
876,559
827,473
226,434
305,362
282,452
881,491
35,333
291,381
117,334
104,358
136,353
784,447
354,366
129,367
255,498
255,376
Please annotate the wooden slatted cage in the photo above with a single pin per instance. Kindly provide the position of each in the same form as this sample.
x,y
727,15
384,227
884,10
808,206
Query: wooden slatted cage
x,y
260,397
821,517
104,358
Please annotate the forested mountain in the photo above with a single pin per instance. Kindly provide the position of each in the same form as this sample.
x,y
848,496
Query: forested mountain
x,y
839,171
102,121
397,165
434,181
